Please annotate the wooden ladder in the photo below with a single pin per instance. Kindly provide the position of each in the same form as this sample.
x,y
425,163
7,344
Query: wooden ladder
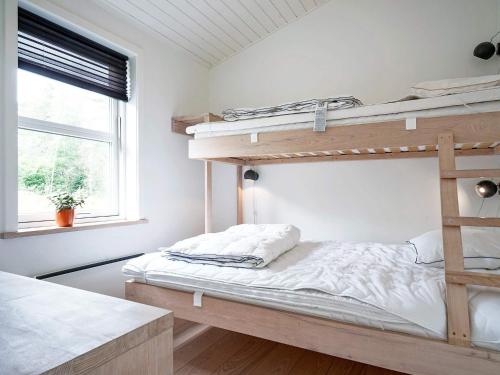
x,y
456,277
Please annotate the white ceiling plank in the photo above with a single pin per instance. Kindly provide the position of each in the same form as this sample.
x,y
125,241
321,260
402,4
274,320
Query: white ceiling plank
x,y
309,4
192,29
298,8
208,10
226,11
208,24
284,10
253,7
169,22
184,11
240,9
272,12
213,30
143,18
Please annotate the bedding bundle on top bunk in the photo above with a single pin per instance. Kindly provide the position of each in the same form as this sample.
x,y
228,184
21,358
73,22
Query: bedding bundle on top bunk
x,y
245,246
432,89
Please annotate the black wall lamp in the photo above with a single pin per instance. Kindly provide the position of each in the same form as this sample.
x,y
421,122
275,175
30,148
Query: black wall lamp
x,y
486,188
251,175
485,50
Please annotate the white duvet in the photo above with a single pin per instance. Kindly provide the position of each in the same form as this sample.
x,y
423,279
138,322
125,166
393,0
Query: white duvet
x,y
383,276
245,245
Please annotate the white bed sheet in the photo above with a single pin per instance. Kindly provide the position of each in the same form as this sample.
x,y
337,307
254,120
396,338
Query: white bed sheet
x,y
487,100
368,284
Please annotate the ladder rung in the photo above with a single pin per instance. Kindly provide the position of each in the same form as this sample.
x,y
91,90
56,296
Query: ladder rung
x,y
464,221
470,173
473,278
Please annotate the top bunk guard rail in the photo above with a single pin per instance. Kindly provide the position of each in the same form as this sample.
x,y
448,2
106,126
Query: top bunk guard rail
x,y
474,134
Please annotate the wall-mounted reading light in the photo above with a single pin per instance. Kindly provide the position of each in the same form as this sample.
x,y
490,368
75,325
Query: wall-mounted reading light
x,y
485,50
486,188
251,175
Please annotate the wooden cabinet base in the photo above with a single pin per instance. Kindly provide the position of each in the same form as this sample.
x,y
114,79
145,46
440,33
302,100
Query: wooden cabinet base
x,y
153,357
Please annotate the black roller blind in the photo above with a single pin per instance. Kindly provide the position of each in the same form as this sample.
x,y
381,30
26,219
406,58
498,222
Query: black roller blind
x,y
53,51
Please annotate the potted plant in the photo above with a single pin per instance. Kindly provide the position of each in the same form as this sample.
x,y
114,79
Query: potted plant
x,y
65,208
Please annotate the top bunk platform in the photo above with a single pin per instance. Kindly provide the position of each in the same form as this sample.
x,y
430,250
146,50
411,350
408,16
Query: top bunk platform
x,y
393,130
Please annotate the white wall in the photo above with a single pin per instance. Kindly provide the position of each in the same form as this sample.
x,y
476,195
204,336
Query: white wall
x,y
171,186
374,50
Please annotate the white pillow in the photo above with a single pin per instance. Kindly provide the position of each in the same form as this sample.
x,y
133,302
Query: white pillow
x,y
481,248
431,89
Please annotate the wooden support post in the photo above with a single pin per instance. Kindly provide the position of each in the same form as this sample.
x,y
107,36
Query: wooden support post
x,y
456,294
239,194
208,196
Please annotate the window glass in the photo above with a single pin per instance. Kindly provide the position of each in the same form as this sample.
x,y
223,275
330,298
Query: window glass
x,y
46,99
51,163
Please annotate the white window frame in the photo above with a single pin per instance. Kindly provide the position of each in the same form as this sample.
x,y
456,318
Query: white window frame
x,y
117,164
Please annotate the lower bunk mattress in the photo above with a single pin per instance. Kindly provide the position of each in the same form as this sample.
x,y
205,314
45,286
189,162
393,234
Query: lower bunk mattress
x,y
369,284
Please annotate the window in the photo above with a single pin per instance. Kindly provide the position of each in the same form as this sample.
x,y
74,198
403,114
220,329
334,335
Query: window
x,y
72,96
68,142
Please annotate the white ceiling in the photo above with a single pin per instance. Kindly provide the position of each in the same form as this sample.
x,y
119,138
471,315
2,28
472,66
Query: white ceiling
x,y
213,30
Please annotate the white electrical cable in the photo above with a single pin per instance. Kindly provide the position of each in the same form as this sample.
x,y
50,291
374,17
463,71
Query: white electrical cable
x,y
253,203
304,106
481,207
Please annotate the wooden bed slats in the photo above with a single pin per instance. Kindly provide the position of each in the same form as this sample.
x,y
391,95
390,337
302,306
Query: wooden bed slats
x,y
231,161
355,154
466,221
343,156
473,278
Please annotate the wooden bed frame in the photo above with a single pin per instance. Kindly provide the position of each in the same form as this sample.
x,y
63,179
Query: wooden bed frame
x,y
445,137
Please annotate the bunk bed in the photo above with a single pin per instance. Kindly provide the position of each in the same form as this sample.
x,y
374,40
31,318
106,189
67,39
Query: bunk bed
x,y
446,130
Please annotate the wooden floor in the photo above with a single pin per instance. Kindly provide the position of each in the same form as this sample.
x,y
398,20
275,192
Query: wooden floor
x,y
223,352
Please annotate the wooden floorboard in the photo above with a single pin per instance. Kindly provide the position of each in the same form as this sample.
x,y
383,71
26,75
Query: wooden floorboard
x,y
280,360
196,347
181,325
312,363
223,352
214,356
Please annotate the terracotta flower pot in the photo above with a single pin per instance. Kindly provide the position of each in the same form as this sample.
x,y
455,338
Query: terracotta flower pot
x,y
64,218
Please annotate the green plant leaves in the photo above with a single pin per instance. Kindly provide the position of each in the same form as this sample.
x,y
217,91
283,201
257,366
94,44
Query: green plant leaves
x,y
64,201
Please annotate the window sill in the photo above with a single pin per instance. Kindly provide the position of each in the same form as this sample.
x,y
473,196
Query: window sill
x,y
77,227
